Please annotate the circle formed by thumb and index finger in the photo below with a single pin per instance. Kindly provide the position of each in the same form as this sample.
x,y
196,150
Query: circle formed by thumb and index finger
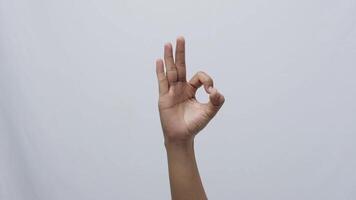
x,y
201,78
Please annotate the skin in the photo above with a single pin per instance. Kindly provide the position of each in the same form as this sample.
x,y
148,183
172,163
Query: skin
x,y
182,117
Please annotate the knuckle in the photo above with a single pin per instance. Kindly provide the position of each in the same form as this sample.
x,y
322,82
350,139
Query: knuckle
x,y
171,69
181,63
222,99
161,80
168,56
200,73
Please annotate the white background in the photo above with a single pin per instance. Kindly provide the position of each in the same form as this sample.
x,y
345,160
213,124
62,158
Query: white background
x,y
78,98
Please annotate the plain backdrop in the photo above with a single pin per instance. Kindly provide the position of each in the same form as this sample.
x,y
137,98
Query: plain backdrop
x,y
78,98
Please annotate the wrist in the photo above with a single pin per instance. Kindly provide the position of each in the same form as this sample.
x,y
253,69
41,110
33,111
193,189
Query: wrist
x,y
173,143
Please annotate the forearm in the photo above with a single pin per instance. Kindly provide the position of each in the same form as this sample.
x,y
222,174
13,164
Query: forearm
x,y
184,176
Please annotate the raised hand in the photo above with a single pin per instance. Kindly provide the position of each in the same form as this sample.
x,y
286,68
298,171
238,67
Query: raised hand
x,y
182,116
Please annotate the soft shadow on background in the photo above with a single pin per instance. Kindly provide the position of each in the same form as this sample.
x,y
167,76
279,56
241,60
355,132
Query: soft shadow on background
x,y
78,98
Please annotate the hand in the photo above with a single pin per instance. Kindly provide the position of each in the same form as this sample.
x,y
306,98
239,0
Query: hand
x,y
182,116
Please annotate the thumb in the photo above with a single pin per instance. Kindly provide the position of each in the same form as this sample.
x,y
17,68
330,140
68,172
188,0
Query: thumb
x,y
216,100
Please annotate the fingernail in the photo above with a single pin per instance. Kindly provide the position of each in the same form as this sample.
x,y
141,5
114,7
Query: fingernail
x,y
210,89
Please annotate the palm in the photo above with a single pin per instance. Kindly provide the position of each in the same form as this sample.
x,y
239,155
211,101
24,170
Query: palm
x,y
181,112
182,116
